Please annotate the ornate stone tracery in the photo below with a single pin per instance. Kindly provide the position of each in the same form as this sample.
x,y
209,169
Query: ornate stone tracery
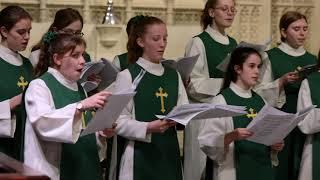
x,y
252,23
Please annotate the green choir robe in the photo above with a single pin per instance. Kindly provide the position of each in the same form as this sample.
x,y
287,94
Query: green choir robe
x,y
216,53
14,80
150,156
123,58
252,160
80,160
290,157
242,159
159,159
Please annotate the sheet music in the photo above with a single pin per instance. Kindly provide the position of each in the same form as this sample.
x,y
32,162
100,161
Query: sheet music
x,y
259,47
185,113
103,68
183,65
271,125
105,117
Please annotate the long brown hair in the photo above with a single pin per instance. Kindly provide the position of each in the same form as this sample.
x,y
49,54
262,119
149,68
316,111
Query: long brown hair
x,y
206,19
10,15
60,44
62,19
288,18
134,50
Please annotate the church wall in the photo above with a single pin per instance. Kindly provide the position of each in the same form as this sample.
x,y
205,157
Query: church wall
x,y
256,21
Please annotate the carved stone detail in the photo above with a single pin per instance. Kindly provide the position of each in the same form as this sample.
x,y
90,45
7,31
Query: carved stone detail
x,y
247,25
279,7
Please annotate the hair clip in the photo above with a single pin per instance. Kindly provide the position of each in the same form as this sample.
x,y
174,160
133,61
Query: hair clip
x,y
49,36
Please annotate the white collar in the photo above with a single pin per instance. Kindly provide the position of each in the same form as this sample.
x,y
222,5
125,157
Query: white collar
x,y
286,48
67,83
217,36
239,91
10,56
150,67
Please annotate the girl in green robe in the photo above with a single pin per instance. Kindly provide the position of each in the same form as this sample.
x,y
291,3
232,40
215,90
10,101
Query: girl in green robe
x,y
281,72
224,139
309,95
57,110
15,73
152,150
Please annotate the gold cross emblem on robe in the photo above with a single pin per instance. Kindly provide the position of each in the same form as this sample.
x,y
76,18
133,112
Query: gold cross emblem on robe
x,y
22,83
162,95
251,113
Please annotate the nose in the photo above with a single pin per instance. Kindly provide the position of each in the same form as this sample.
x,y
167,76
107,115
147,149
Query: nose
x,y
27,36
163,43
256,70
81,60
303,32
229,12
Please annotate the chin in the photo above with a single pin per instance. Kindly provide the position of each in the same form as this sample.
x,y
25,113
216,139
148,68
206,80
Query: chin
x,y
20,49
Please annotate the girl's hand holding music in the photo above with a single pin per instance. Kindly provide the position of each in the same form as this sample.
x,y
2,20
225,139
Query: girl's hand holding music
x,y
159,126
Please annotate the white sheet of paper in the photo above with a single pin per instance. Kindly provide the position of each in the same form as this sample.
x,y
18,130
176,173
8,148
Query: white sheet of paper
x,y
259,47
103,68
89,85
105,117
93,67
183,65
271,125
108,74
185,113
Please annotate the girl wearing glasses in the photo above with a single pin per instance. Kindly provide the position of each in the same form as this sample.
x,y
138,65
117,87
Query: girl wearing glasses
x,y
16,73
213,45
67,21
281,74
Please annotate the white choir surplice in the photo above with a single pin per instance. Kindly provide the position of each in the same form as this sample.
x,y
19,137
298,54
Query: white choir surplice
x,y
8,120
202,88
47,127
116,62
309,126
127,125
34,57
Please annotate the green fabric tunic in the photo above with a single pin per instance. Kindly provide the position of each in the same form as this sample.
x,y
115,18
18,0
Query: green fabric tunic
x,y
252,160
314,84
80,160
216,53
159,159
14,80
290,156
123,58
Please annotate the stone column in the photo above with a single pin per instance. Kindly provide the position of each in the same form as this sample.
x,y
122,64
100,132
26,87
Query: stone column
x,y
170,4
43,11
86,11
129,12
